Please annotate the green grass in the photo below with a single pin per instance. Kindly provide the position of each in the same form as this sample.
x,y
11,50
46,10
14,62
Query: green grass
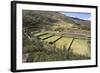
x,y
34,32
81,47
64,42
51,39
40,33
44,36
41,51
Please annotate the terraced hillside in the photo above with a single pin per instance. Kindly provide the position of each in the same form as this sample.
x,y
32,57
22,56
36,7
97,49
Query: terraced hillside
x,y
77,45
53,36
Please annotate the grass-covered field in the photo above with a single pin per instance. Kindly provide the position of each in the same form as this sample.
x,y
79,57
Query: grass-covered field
x,y
40,33
81,47
39,50
51,39
64,42
44,36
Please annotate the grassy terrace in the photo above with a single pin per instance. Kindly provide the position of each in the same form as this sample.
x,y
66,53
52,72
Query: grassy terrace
x,y
51,39
34,32
63,42
78,46
81,47
45,36
40,33
39,50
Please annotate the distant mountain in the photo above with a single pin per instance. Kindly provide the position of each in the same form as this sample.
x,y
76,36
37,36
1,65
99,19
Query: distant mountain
x,y
52,21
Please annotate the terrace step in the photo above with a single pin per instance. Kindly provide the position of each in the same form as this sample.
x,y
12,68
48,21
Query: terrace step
x,y
70,44
48,37
55,40
34,32
42,34
64,42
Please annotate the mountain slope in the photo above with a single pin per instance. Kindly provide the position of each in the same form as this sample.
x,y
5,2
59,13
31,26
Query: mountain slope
x,y
55,21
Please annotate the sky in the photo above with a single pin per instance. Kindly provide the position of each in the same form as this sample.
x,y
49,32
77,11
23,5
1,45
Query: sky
x,y
84,16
